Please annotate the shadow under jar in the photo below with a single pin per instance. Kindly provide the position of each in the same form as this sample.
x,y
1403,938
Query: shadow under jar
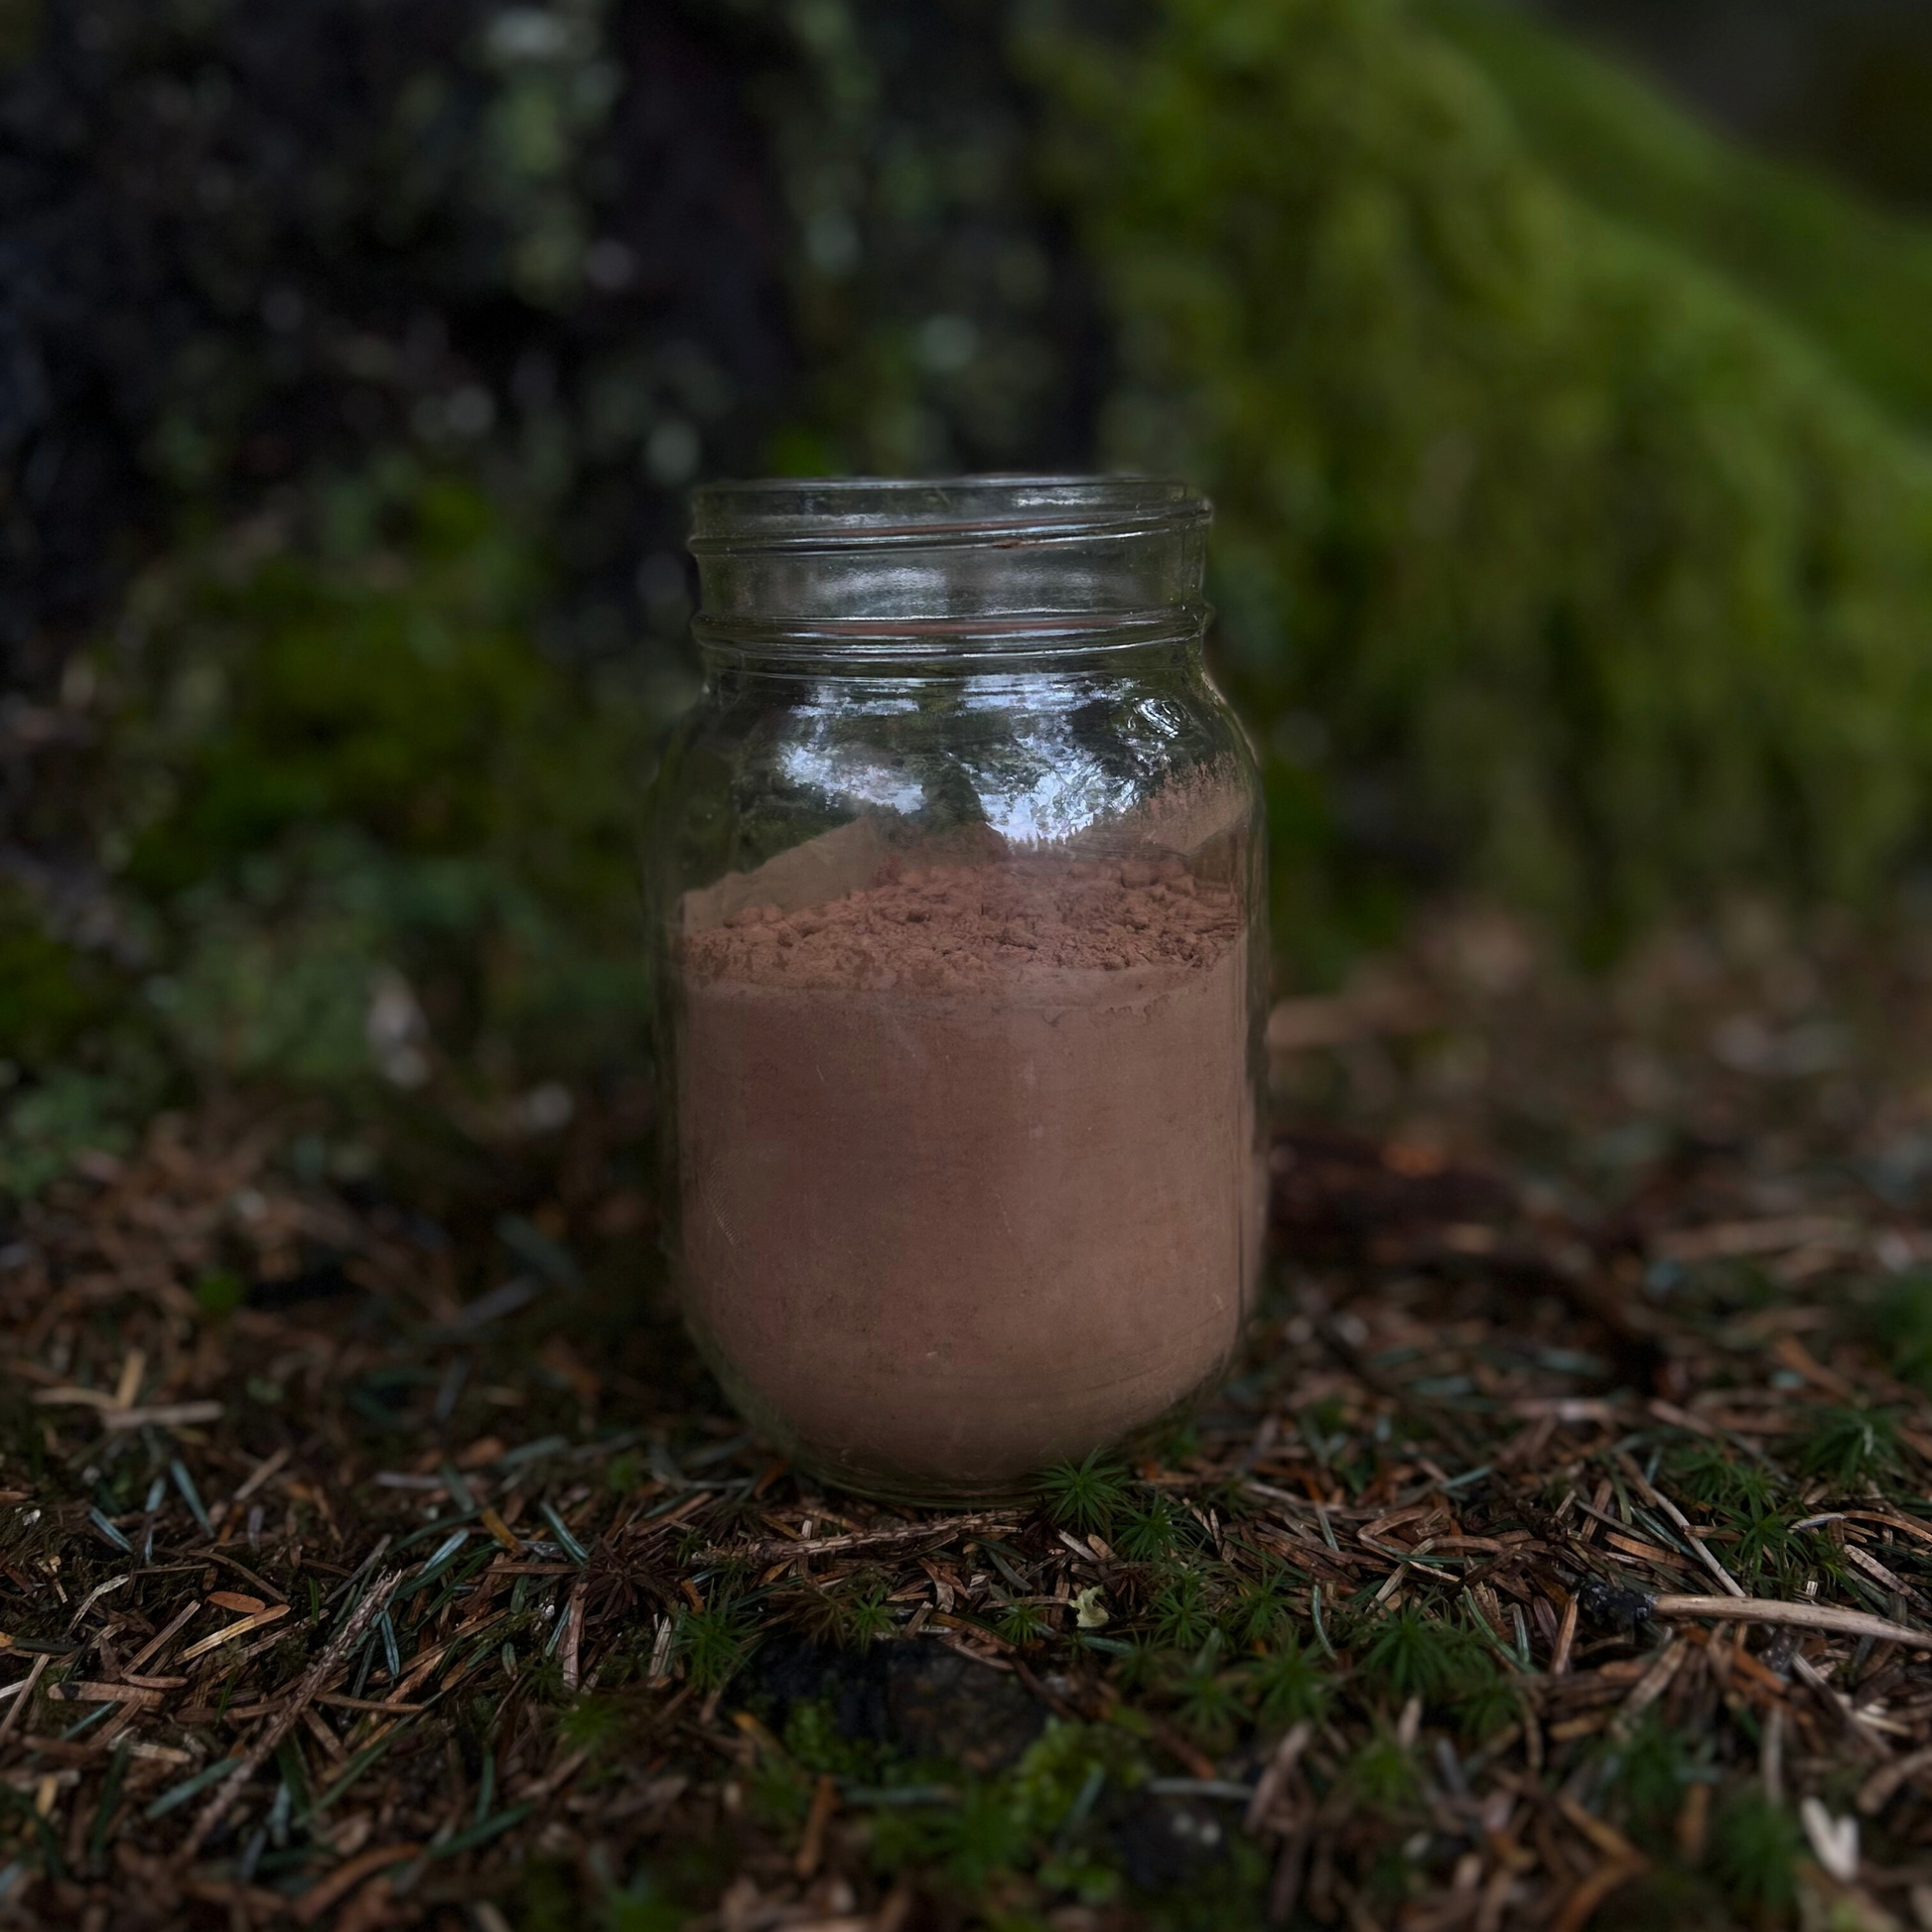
x,y
955,876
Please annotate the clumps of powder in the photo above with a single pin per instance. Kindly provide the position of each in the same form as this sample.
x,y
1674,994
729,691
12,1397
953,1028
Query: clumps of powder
x,y
961,929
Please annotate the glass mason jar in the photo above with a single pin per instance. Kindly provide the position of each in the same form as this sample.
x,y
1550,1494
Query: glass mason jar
x,y
955,876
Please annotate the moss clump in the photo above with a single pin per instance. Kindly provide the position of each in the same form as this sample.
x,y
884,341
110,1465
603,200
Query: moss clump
x,y
355,833
355,786
1544,557
1855,279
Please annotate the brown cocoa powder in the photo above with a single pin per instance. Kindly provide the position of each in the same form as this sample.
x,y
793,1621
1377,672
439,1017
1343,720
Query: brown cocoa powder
x,y
967,1161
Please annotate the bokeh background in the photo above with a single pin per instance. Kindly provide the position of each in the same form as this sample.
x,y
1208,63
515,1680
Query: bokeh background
x,y
1559,373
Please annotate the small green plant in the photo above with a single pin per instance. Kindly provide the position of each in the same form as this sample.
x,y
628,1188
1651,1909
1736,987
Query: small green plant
x,y
1181,1618
1482,1694
1209,1700
849,1614
1324,1428
1260,1609
1056,1775
813,1740
1039,1816
1139,1665
1086,1496
1847,1444
219,1292
1902,1326
1755,1849
972,1841
1148,1534
1647,1772
1713,1474
641,1907
779,1789
713,1642
1413,1654
594,1722
1023,1625
1383,1773
1764,1546
1289,1683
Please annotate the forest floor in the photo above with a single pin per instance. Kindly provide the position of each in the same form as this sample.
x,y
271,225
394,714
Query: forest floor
x,y
1560,1553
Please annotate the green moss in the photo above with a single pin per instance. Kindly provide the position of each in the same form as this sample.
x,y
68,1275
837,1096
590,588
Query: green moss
x,y
398,692
1858,281
1755,1849
1210,1701
1647,1774
1288,1684
1023,1625
1384,1776
49,992
1546,559
69,1112
342,773
1412,1654
814,1740
849,1614
363,835
1716,1474
21,23
1258,1611
711,1643
1901,1326
641,1907
219,1292
1041,1817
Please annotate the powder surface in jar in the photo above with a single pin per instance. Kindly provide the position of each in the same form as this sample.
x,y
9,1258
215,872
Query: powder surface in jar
x,y
967,1163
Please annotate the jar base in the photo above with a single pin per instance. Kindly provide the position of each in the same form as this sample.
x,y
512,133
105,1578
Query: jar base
x,y
927,1490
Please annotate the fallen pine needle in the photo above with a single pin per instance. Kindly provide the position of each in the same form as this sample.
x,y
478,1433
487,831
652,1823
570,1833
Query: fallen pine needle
x,y
1800,1617
239,1628
154,1645
345,1877
573,1634
1877,1791
1580,1906
89,1693
24,1697
818,1546
317,1675
500,1529
163,1415
812,1844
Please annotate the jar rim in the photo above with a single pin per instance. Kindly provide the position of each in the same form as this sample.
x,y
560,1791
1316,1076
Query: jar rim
x,y
822,513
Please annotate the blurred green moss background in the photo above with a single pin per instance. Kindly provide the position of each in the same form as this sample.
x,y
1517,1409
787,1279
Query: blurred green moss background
x,y
1575,511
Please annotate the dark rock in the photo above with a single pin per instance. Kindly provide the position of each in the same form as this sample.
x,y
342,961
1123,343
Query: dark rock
x,y
320,1283
1165,1842
788,1669
916,1696
940,1703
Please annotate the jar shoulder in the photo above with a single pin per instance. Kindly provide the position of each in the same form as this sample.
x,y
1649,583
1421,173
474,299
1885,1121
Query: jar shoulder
x,y
905,745
834,779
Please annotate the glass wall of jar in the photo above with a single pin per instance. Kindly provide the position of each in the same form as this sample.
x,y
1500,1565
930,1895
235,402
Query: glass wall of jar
x,y
955,876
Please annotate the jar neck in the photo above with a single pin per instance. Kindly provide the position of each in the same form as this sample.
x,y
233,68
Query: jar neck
x,y
973,568
941,648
